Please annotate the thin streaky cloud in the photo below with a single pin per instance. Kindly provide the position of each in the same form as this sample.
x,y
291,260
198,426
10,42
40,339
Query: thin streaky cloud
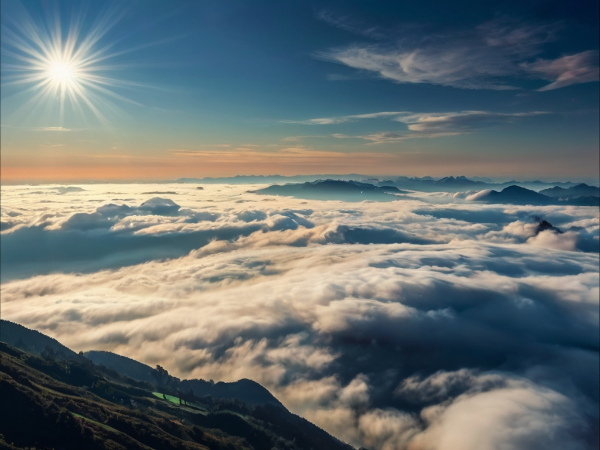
x,y
49,145
567,70
390,137
53,129
422,125
492,56
42,128
460,121
347,23
343,119
435,125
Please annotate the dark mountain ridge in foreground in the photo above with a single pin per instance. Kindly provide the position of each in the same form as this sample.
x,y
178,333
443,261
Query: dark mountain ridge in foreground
x,y
55,400
245,390
31,341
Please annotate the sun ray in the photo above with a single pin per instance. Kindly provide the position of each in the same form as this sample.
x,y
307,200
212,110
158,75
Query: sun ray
x,y
61,67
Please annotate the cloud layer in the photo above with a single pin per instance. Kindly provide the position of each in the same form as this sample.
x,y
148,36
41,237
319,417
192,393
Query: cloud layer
x,y
431,323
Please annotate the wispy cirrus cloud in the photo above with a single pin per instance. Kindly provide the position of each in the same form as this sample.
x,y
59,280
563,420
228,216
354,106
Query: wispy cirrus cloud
x,y
344,119
491,56
568,70
463,121
350,24
50,145
53,129
389,137
425,125
60,129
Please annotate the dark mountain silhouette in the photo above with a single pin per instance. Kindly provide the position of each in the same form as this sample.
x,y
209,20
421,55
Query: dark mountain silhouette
x,y
446,184
462,183
245,390
458,181
269,179
63,400
333,190
544,225
123,365
30,340
581,190
426,184
515,195
520,196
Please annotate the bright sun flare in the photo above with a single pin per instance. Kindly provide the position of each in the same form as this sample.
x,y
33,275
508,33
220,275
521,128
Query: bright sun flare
x,y
62,67
62,73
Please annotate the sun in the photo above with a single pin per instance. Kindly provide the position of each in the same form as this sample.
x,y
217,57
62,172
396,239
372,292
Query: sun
x,y
62,73
65,72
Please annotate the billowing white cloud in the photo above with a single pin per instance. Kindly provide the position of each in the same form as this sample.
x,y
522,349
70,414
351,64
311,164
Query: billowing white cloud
x,y
515,416
392,325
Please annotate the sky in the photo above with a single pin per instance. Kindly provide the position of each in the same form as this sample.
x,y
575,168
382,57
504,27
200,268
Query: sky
x,y
154,91
431,322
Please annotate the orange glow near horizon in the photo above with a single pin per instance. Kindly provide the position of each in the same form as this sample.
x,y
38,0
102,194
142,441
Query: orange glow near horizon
x,y
58,168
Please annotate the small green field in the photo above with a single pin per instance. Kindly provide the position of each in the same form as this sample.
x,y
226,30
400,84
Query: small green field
x,y
183,403
167,397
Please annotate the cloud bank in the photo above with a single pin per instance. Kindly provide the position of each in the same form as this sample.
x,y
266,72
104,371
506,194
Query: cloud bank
x,y
397,325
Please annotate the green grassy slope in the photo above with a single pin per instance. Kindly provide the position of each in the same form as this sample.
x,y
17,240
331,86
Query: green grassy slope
x,y
54,403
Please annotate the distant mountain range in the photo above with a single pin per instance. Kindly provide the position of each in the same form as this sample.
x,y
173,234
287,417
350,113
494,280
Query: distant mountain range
x,y
520,196
428,184
358,191
334,190
269,179
55,398
581,190
461,183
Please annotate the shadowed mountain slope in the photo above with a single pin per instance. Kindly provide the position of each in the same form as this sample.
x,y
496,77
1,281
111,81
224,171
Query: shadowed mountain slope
x,y
123,365
63,400
245,390
31,341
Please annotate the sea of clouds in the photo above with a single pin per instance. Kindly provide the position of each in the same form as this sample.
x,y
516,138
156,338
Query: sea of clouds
x,y
431,323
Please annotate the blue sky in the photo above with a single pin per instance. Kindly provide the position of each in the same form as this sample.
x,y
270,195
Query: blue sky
x,y
232,87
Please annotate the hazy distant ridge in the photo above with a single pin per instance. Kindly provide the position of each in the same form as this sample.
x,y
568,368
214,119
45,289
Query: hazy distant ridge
x,y
427,184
